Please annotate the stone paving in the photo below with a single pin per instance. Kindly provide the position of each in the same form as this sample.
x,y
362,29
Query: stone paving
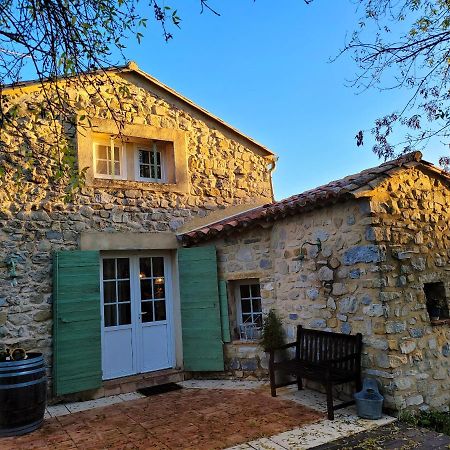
x,y
207,414
187,419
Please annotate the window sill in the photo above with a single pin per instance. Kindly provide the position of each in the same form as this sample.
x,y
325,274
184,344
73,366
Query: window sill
x,y
139,185
247,343
435,323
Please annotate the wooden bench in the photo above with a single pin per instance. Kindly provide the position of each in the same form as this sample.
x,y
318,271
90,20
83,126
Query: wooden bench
x,y
325,357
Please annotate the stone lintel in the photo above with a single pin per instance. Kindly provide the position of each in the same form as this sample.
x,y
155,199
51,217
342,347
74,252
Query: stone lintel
x,y
128,241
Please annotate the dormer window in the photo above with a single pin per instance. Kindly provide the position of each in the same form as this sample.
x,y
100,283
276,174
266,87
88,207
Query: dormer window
x,y
149,163
153,163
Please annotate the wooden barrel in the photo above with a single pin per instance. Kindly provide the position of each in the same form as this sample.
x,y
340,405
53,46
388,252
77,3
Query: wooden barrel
x,y
23,395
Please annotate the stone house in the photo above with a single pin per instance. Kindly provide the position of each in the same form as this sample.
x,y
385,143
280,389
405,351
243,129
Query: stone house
x,y
368,253
94,282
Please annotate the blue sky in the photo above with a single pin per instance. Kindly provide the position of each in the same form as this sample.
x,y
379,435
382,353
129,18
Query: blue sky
x,y
265,70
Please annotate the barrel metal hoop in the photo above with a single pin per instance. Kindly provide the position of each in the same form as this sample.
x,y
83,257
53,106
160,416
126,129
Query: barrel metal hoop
x,y
8,367
18,431
30,361
19,385
19,374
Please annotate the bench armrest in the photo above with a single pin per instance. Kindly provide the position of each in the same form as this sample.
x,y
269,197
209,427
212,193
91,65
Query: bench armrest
x,y
281,347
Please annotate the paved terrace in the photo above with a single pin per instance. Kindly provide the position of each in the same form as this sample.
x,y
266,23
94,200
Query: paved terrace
x,y
205,415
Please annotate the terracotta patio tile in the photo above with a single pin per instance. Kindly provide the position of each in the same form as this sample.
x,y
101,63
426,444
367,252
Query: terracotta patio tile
x,y
187,419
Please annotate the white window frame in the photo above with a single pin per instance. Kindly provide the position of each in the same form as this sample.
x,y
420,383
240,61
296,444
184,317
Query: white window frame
x,y
248,333
148,148
122,160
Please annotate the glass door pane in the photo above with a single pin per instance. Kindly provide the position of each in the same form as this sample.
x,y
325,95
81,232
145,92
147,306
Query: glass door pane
x,y
152,289
116,292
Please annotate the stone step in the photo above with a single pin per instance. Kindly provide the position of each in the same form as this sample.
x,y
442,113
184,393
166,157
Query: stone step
x,y
134,382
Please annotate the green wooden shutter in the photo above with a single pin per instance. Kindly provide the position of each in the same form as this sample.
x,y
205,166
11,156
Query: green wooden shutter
x,y
77,322
200,309
225,320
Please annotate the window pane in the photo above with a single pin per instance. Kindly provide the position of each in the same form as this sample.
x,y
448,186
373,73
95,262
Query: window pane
x,y
123,268
109,269
153,172
258,319
110,316
116,154
158,173
256,305
160,310
144,157
123,290
158,266
246,318
145,267
256,290
117,168
125,314
101,152
245,291
146,289
147,311
158,287
101,167
109,291
246,307
158,158
144,171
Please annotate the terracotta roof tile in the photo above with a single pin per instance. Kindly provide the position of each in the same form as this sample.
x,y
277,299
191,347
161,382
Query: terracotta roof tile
x,y
332,192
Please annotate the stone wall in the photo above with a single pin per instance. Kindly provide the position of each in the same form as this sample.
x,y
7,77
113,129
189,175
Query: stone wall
x,y
36,220
333,289
412,222
377,254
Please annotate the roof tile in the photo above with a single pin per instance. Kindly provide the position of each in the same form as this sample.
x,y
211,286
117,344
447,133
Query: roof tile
x,y
329,193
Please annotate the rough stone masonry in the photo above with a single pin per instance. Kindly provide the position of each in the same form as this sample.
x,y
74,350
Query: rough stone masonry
x,y
380,245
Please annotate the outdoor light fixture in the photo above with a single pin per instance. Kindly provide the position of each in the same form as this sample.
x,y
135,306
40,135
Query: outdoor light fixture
x,y
11,265
303,251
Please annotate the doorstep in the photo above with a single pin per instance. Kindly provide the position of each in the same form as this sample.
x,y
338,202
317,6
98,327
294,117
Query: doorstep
x,y
118,390
132,383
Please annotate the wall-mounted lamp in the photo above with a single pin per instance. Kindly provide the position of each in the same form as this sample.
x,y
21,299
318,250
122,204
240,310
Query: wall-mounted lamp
x,y
303,251
11,262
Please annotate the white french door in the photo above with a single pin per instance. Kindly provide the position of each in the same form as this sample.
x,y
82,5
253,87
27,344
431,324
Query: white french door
x,y
137,332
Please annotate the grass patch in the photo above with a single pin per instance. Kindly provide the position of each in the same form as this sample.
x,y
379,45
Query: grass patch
x,y
433,420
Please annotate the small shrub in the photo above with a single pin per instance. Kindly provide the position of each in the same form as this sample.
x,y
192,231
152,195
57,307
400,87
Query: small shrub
x,y
434,420
272,335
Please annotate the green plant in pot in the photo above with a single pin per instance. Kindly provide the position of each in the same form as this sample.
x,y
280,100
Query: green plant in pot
x,y
272,334
272,337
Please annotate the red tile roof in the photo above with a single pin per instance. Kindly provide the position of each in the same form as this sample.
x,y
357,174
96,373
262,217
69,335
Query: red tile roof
x,y
332,192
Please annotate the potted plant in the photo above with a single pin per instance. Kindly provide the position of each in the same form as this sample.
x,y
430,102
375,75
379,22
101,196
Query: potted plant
x,y
272,334
23,391
272,337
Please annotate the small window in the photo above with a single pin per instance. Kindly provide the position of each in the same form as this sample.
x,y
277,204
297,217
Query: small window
x,y
437,305
108,160
149,163
249,310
